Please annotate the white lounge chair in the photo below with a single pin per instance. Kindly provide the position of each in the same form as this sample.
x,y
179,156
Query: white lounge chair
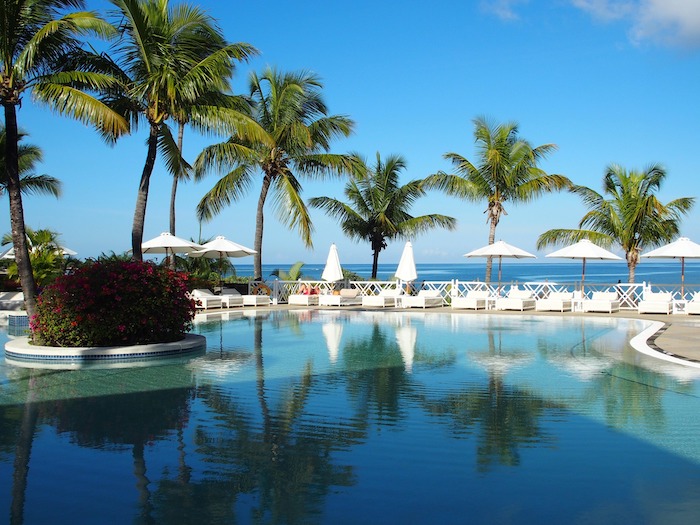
x,y
424,299
555,302
303,299
205,299
516,300
607,302
693,306
656,303
11,301
474,300
346,297
386,297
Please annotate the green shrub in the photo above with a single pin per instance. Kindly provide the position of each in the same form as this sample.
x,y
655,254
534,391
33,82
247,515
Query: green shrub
x,y
113,303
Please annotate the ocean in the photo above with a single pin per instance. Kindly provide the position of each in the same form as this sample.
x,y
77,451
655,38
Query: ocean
x,y
658,272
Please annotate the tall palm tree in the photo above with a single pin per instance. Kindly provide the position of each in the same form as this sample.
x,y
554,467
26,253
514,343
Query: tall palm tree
x,y
297,133
631,215
506,171
28,156
377,207
36,38
162,67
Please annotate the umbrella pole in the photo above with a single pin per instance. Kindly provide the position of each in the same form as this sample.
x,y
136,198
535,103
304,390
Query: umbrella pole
x,y
682,278
500,260
583,278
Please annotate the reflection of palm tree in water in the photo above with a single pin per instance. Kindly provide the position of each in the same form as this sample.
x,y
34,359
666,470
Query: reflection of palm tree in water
x,y
23,451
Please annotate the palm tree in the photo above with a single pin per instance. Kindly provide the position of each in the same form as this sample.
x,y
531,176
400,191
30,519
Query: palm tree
x,y
298,131
294,273
45,253
631,215
506,171
36,39
163,70
28,156
377,209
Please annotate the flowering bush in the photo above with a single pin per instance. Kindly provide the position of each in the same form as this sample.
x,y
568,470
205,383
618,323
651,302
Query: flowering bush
x,y
113,303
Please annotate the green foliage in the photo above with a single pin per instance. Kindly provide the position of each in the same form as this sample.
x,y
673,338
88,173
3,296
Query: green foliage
x,y
46,256
114,303
294,273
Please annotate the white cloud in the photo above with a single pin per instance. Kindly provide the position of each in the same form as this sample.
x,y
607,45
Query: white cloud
x,y
666,22
503,9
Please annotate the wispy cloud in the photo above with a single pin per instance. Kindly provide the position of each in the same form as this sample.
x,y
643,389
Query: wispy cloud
x,y
666,22
503,9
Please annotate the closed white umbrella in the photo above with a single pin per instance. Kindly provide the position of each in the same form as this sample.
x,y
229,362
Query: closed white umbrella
x,y
584,249
500,249
681,249
406,270
333,271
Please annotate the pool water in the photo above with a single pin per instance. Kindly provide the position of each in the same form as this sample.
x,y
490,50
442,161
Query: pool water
x,y
360,417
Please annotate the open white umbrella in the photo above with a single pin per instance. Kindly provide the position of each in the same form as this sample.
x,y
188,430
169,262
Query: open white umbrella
x,y
584,249
168,244
10,254
500,249
219,248
406,270
681,249
333,271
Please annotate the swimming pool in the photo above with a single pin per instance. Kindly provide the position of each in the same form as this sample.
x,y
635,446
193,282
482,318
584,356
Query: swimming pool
x,y
341,417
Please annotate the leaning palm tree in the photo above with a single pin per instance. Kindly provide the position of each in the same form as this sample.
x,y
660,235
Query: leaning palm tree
x,y
28,156
162,67
506,171
377,207
298,132
36,39
631,216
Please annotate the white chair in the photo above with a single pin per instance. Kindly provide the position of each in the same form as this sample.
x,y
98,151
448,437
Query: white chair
x,y
516,300
303,299
205,299
346,297
424,299
607,302
656,303
235,298
555,302
11,300
693,306
474,300
386,297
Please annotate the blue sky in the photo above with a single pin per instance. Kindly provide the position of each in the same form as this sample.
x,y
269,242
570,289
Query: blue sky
x,y
606,81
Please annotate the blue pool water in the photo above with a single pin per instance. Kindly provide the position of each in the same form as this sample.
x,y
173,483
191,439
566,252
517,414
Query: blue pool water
x,y
342,417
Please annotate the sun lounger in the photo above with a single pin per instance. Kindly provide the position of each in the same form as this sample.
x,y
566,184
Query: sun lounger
x,y
474,300
607,302
516,300
693,306
205,299
11,301
384,298
302,299
424,299
235,298
555,302
346,297
656,303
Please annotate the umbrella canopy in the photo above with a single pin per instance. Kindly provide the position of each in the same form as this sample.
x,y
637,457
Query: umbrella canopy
x,y
333,271
500,249
406,270
681,249
221,247
584,249
168,244
10,254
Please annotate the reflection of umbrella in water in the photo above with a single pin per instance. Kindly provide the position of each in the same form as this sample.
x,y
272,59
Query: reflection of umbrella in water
x,y
499,364
406,270
333,272
584,249
500,249
333,332
681,249
221,247
222,363
406,339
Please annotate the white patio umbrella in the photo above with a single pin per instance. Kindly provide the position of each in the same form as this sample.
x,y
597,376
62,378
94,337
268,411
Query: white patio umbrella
x,y
168,244
681,249
10,254
584,249
333,271
500,249
219,248
406,270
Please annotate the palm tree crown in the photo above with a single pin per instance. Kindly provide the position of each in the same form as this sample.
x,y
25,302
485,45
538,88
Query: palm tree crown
x,y
507,171
295,142
378,207
631,216
28,156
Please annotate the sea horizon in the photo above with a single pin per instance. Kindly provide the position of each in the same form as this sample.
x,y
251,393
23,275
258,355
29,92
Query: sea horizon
x,y
666,272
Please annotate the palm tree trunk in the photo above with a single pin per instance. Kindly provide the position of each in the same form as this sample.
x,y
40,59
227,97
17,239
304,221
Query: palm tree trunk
x,y
19,235
375,263
489,260
173,191
259,220
142,196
